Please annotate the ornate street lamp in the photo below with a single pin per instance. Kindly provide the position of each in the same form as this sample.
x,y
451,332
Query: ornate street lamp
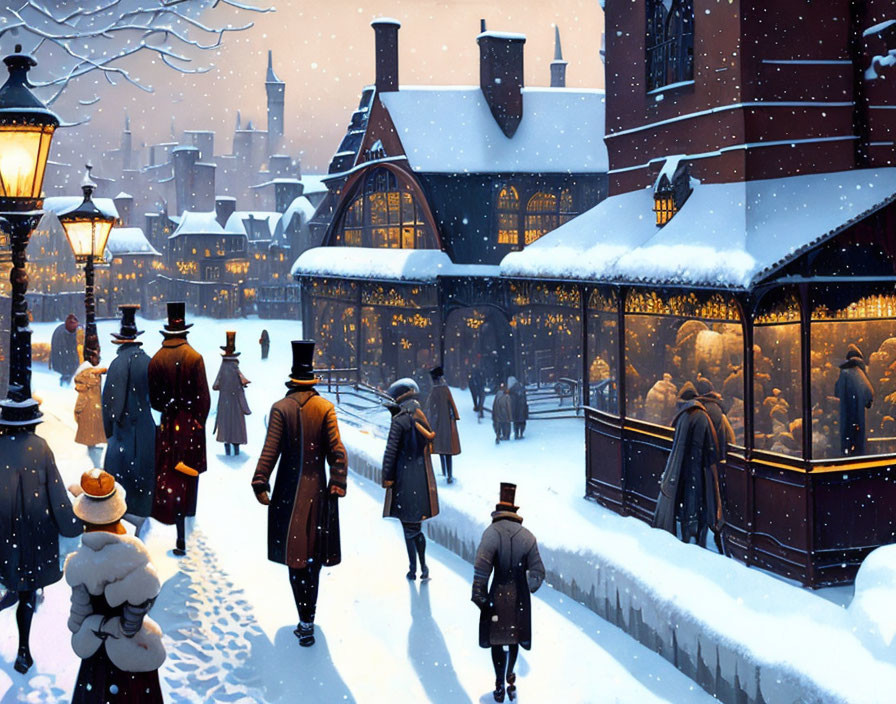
x,y
26,129
87,229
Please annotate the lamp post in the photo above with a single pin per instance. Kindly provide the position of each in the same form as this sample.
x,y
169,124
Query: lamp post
x,y
26,130
87,229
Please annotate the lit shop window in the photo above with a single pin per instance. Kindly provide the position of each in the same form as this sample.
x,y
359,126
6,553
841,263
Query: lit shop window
x,y
542,215
508,216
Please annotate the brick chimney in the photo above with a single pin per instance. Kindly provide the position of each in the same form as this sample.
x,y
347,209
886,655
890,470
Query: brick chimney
x,y
501,77
386,31
225,206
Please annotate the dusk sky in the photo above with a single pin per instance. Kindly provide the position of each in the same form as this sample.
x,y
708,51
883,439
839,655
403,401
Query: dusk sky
x,y
324,52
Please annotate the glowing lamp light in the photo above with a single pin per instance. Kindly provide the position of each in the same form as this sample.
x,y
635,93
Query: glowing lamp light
x,y
87,227
26,129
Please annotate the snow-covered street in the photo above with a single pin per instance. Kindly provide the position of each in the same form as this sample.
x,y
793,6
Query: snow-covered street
x,y
228,613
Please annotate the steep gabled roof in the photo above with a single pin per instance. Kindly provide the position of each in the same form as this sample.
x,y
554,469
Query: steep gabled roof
x,y
451,130
198,223
129,241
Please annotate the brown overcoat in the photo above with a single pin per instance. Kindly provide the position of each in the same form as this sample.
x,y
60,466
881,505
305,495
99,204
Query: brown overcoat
x,y
178,388
302,517
230,422
89,406
443,417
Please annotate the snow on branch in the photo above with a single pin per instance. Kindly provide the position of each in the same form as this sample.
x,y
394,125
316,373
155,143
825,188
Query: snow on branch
x,y
78,39
885,31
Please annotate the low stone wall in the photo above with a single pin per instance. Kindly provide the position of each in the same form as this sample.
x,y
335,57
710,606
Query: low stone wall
x,y
730,672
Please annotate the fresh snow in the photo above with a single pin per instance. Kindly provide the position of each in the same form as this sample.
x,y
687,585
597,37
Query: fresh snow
x,y
194,222
227,612
128,240
452,130
237,222
62,204
374,263
726,234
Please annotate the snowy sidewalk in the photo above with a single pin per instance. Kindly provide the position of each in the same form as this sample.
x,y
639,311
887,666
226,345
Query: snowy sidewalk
x,y
228,613
742,634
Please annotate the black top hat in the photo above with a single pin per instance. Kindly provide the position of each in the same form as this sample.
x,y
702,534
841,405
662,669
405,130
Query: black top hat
x,y
177,314
129,331
230,347
508,496
19,413
436,373
302,361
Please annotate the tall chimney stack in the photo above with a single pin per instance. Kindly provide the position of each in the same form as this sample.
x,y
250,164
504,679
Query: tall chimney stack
x,y
501,77
558,65
386,31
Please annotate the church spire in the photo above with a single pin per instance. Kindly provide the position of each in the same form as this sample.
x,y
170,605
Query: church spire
x,y
558,65
271,76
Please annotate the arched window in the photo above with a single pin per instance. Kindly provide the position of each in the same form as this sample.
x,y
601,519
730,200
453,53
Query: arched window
x,y
384,214
670,42
508,216
542,215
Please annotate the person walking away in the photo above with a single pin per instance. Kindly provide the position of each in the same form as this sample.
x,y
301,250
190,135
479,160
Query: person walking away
x,y
265,342
89,406
477,389
715,408
443,417
508,553
520,406
178,389
856,394
64,349
127,420
410,484
502,414
34,511
690,495
114,585
230,421
303,513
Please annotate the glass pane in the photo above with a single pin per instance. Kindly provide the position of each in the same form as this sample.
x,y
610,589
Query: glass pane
x,y
20,151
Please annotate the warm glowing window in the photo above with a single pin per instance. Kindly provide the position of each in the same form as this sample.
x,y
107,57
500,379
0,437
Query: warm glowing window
x,y
567,206
664,207
542,216
384,214
508,216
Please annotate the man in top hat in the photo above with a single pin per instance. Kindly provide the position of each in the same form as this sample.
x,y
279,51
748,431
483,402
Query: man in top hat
x,y
178,388
34,511
508,553
114,584
230,422
127,419
303,515
443,416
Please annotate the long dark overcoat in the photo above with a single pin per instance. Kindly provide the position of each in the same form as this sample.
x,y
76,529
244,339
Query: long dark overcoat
x,y
230,422
130,429
505,609
443,417
64,351
712,402
689,488
412,496
502,413
34,511
855,394
178,388
303,520
519,402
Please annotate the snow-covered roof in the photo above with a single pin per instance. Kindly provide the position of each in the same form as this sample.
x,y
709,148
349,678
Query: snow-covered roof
x,y
123,195
301,207
62,204
314,183
374,263
236,223
128,241
729,234
193,222
452,130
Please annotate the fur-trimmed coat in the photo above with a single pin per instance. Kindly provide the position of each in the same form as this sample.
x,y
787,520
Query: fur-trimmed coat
x,y
411,494
509,554
116,568
34,511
